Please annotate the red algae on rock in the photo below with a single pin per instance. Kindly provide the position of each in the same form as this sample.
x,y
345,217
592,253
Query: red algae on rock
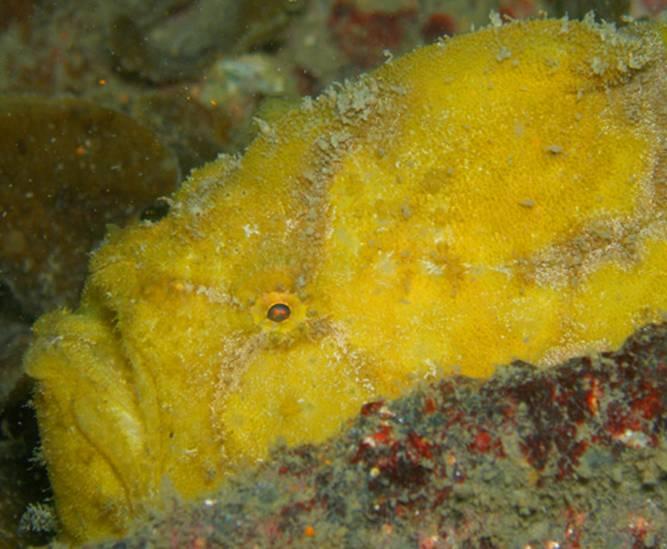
x,y
530,458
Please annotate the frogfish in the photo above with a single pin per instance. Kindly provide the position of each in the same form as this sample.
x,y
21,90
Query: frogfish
x,y
493,197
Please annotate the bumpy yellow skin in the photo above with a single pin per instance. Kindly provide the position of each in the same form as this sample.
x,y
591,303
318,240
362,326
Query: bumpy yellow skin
x,y
498,196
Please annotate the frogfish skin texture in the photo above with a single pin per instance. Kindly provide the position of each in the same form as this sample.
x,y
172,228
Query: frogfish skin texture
x,y
497,196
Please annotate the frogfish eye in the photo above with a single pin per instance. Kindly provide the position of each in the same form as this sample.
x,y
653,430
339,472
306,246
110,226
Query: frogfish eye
x,y
278,312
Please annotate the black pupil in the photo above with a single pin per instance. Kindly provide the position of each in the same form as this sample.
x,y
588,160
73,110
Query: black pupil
x,y
278,312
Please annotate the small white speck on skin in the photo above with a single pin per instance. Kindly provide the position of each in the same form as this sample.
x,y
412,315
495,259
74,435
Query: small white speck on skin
x,y
503,54
431,268
434,369
264,127
250,230
196,210
598,66
386,265
636,62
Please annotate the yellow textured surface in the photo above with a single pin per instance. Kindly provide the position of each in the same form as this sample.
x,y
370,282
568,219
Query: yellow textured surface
x,y
498,196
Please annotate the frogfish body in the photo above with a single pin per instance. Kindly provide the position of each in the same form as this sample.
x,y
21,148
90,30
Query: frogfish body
x,y
497,196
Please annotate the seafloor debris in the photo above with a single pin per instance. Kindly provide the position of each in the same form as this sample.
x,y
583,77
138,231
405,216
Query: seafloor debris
x,y
22,480
68,168
574,456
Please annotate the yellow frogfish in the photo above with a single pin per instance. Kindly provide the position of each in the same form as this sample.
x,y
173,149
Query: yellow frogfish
x,y
497,196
